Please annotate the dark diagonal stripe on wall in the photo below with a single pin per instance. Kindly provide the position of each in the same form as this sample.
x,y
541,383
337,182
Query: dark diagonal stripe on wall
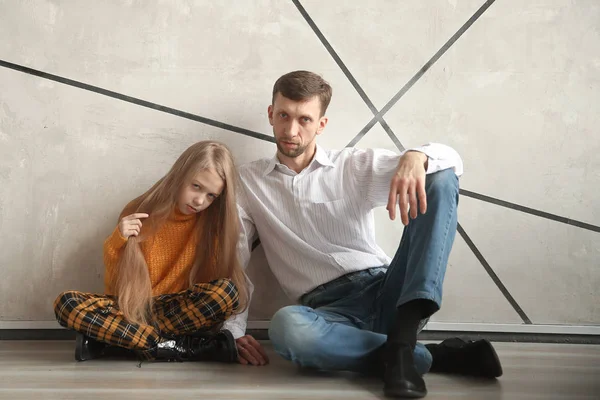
x,y
350,77
335,56
493,275
531,211
378,116
134,100
425,67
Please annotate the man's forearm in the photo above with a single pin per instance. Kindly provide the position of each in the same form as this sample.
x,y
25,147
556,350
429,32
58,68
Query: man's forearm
x,y
439,157
422,156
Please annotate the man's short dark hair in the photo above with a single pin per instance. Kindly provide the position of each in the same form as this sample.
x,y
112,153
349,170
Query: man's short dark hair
x,y
302,86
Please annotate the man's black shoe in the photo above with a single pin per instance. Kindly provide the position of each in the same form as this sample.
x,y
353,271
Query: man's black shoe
x,y
456,356
401,379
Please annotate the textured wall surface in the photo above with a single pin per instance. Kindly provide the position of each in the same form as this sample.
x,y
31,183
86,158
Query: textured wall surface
x,y
515,89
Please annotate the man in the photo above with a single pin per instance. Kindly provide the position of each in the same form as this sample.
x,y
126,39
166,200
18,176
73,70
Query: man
x,y
312,209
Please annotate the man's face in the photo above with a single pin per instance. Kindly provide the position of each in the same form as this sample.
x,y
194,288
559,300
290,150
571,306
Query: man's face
x,y
296,124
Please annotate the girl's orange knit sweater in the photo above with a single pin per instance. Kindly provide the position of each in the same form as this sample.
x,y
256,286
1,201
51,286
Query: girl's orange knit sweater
x,y
169,254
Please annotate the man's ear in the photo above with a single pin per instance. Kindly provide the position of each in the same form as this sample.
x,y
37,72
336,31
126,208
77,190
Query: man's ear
x,y
270,114
322,124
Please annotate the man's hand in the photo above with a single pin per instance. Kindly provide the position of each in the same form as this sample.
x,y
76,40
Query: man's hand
x,y
407,185
250,351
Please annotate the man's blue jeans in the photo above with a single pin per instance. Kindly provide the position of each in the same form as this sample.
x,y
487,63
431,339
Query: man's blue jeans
x,y
340,324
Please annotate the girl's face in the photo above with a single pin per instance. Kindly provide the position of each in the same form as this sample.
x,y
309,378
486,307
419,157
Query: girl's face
x,y
199,192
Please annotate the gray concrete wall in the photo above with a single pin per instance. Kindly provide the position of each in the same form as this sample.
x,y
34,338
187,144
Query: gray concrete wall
x,y
517,95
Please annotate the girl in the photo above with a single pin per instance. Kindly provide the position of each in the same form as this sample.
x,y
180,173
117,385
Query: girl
x,y
172,274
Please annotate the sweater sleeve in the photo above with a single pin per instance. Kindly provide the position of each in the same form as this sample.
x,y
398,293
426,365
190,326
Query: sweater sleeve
x,y
113,245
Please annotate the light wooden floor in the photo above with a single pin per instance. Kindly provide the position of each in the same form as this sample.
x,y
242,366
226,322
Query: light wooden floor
x,y
47,370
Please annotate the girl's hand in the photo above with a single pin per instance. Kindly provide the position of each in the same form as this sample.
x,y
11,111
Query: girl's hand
x,y
131,225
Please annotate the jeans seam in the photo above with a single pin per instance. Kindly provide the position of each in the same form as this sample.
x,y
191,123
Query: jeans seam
x,y
448,220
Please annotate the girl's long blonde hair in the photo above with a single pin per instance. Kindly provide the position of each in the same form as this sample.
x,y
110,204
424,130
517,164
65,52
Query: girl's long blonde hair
x,y
217,229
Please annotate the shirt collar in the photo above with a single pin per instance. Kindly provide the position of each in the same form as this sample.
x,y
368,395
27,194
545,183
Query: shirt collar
x,y
320,156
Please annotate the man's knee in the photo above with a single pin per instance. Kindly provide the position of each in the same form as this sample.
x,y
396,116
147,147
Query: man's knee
x,y
290,332
442,185
423,359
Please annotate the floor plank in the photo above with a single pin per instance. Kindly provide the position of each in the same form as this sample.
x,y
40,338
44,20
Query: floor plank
x,y
47,370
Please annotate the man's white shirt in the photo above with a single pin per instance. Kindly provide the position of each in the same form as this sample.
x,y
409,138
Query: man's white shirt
x,y
318,225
